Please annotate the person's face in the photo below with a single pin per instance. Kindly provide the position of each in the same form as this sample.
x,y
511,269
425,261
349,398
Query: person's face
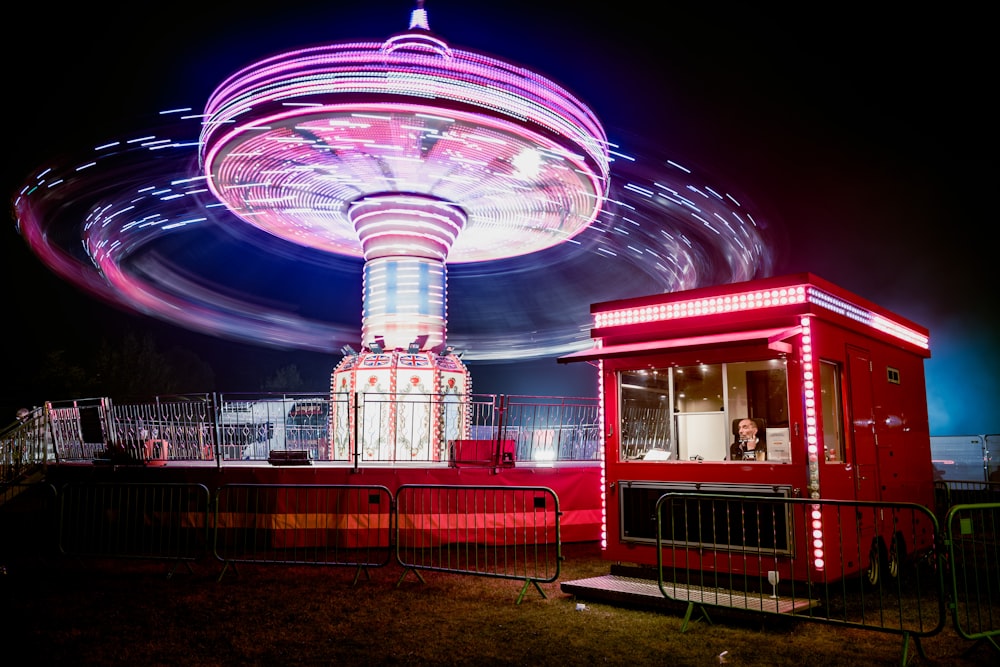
x,y
747,429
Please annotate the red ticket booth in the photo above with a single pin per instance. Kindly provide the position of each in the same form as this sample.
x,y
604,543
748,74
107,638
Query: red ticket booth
x,y
831,384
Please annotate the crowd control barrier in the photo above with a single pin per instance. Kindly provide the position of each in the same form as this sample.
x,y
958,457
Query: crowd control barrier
x,y
750,554
816,559
510,532
341,525
134,520
972,542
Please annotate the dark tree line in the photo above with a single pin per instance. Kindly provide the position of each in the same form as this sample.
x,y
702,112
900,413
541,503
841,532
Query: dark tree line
x,y
134,367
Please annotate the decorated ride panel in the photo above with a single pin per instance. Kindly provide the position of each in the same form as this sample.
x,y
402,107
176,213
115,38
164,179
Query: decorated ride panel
x,y
397,407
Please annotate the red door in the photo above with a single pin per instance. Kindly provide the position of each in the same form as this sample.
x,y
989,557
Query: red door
x,y
862,421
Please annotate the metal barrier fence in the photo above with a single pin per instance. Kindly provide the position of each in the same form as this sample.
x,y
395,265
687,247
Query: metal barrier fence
x,y
134,520
972,539
750,553
860,564
949,493
28,525
508,532
966,457
343,525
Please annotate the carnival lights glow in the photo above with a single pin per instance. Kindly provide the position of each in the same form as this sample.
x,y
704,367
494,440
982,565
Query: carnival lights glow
x,y
756,300
812,442
491,192
869,318
698,307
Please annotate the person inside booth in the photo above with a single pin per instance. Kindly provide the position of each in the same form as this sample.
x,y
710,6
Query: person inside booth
x,y
750,444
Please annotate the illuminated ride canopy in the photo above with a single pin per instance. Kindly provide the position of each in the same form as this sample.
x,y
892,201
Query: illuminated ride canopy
x,y
409,153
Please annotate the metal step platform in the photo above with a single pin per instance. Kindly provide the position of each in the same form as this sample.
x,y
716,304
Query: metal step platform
x,y
627,590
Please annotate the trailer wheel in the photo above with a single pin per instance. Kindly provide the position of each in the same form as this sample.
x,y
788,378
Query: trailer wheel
x,y
875,558
896,556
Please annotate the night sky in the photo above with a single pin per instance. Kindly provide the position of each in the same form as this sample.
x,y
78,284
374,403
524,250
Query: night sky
x,y
861,138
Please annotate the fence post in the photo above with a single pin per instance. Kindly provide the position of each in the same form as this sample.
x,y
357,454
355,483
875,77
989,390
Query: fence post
x,y
214,410
498,444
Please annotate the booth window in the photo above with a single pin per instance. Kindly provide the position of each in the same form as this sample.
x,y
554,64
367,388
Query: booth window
x,y
646,418
833,431
685,413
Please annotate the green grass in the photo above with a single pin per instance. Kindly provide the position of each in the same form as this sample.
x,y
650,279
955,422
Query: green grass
x,y
116,612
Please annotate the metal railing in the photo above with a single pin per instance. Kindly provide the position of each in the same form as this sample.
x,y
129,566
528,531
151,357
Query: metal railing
x,y
362,429
224,428
25,446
